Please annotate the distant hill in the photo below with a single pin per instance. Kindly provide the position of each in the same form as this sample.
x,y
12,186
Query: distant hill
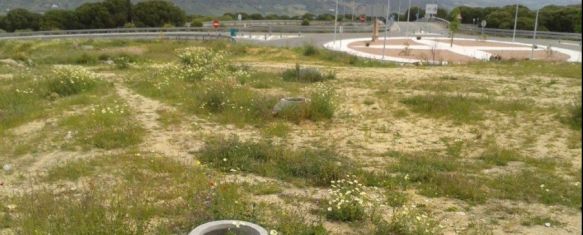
x,y
287,7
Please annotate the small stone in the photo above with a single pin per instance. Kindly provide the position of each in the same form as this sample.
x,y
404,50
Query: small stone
x,y
547,224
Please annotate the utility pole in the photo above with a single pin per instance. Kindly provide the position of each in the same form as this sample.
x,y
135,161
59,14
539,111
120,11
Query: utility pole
x,y
534,34
408,17
386,27
335,22
515,23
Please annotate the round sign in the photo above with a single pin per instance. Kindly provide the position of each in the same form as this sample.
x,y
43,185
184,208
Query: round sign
x,y
362,19
216,24
483,23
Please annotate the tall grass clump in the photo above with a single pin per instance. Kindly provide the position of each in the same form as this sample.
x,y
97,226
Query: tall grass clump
x,y
322,103
309,75
71,80
310,50
574,113
314,167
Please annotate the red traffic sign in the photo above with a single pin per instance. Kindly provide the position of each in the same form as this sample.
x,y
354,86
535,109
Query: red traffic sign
x,y
362,19
216,24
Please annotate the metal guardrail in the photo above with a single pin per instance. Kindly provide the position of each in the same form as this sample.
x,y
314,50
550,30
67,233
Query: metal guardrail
x,y
202,33
471,29
174,34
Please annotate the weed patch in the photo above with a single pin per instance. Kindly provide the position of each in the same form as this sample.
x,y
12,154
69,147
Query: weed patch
x,y
317,168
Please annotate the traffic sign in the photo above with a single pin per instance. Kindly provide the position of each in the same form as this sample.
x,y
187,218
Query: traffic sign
x,y
483,23
431,9
362,19
216,24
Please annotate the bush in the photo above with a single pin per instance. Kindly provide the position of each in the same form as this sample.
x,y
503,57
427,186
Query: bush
x,y
71,80
122,62
204,64
299,74
196,23
348,200
305,22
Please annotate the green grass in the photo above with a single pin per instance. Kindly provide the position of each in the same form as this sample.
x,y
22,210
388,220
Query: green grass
x,y
536,186
310,167
146,188
462,108
106,126
500,157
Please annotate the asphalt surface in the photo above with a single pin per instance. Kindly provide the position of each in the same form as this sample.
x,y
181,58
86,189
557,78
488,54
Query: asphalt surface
x,y
400,30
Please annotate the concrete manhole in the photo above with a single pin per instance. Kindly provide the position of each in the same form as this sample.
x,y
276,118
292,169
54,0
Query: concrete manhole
x,y
289,102
225,227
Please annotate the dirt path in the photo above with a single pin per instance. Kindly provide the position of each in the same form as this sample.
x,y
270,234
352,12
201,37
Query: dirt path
x,y
159,140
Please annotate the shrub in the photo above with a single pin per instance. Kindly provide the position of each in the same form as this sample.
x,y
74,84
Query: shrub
x,y
305,22
71,80
196,23
348,199
299,74
122,62
204,64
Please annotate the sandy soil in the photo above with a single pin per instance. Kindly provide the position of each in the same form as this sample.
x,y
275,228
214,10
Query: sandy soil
x,y
538,55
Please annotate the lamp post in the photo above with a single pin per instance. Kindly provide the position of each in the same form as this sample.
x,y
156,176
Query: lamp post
x,y
534,34
515,23
399,13
386,27
335,22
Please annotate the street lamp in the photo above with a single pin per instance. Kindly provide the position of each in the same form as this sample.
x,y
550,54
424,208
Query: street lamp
x,y
534,34
515,23
335,22
386,27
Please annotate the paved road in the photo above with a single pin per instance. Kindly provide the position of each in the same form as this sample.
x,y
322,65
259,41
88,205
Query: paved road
x,y
400,30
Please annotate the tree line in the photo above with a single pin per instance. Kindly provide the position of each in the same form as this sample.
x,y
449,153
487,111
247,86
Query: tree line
x,y
159,13
551,17
99,15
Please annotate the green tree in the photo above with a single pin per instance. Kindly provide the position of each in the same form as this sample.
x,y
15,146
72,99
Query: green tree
x,y
308,16
157,13
256,16
120,11
94,16
59,19
2,24
19,19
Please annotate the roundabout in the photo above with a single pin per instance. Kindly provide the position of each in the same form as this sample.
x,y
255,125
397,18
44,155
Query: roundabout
x,y
440,50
